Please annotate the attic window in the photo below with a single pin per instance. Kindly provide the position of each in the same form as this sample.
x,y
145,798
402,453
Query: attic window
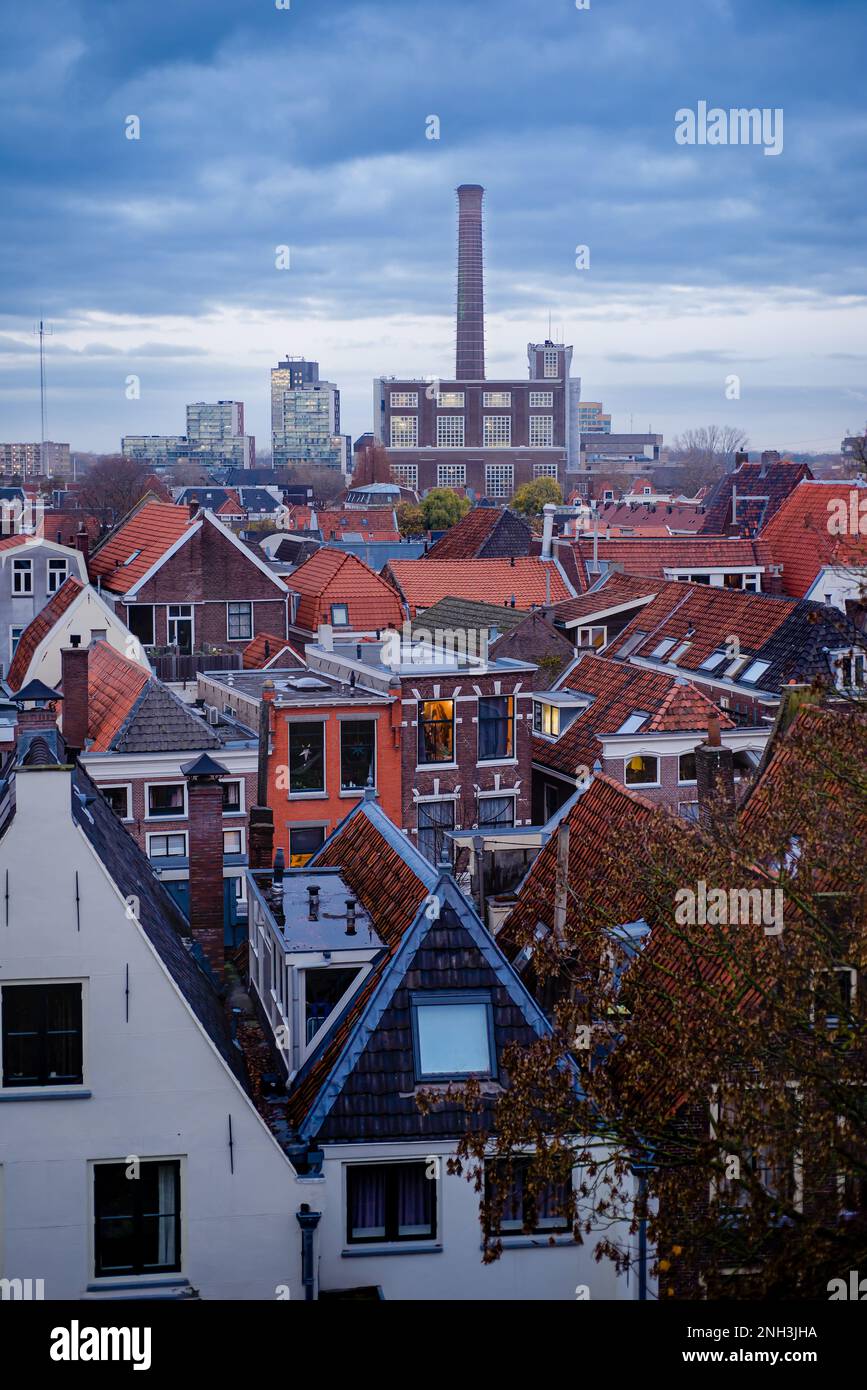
x,y
711,662
453,1035
664,647
680,651
755,671
340,614
632,643
633,723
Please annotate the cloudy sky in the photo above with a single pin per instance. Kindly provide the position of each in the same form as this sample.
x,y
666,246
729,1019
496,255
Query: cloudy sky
x,y
306,127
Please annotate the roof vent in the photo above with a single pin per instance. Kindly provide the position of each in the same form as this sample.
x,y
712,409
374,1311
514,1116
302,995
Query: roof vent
x,y
313,902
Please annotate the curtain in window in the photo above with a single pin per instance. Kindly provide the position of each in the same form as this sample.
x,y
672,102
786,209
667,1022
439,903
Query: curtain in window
x,y
367,1202
496,810
166,1195
63,1033
414,1193
434,818
495,728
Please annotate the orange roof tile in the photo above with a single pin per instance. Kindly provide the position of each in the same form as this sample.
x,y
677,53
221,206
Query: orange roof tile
x,y
331,576
424,582
709,615
799,535
652,556
39,628
136,544
265,647
113,685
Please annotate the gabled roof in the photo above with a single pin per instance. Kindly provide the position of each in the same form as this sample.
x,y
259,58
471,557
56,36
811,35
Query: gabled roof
x,y
137,544
36,631
266,650
610,594
485,533
799,536
131,711
742,502
617,691
468,615
650,557
650,518
526,579
332,576
362,523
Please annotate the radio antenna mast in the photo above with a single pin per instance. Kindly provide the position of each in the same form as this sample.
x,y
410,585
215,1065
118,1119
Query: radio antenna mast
x,y
44,333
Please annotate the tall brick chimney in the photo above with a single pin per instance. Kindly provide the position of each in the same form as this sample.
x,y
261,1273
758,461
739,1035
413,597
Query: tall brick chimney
x,y
470,351
82,541
73,665
205,797
715,775
261,837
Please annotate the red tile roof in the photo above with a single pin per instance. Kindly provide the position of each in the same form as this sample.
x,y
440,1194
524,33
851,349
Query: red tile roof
x,y
798,535
329,577
651,557
69,524
618,590
619,690
113,685
714,614
646,518
147,534
39,628
265,648
484,533
373,523
424,582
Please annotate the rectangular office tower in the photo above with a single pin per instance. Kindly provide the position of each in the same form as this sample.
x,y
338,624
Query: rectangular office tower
x,y
217,428
489,436
305,417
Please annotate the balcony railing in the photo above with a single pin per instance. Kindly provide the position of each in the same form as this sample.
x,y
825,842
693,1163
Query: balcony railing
x,y
169,664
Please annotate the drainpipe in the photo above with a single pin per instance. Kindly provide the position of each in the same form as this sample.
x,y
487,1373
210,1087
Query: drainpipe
x,y
308,1221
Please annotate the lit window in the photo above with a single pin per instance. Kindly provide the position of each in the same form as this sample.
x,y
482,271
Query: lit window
x,y
436,731
240,622
499,400
450,400
137,1220
389,1202
42,1035
304,841
499,479
546,719
306,756
541,431
404,399
357,754
453,1036
451,475
497,431
642,770
592,637
404,431
542,399
496,727
450,431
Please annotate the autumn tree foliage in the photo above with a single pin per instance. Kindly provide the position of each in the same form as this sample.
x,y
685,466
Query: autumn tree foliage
x,y
114,485
373,466
708,1076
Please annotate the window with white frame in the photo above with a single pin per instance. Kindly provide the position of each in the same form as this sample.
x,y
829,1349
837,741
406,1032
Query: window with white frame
x,y
58,573
541,400
167,846
453,400
499,479
498,431
642,770
592,637
233,798
22,576
14,639
233,842
551,363
240,628
404,400
451,475
496,811
340,615
389,1202
179,626
453,1035
541,431
166,801
118,800
450,431
405,474
404,431
499,400
544,470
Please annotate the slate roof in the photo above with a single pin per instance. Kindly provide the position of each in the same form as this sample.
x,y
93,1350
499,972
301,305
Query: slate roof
x,y
131,711
151,530
424,582
159,916
649,557
619,690
331,576
798,535
760,491
789,633
485,533
468,615
39,628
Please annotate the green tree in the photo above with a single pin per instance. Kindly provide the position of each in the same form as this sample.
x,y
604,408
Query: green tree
x,y
442,507
410,520
532,497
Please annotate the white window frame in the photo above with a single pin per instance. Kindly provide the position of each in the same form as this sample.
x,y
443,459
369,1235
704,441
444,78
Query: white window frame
x,y
497,400
545,470
166,835
541,400
450,432
182,618
497,431
451,400
536,422
56,567
551,364
22,569
238,781
499,479
239,603
333,609
118,786
167,782
403,400
400,424
20,628
451,475
405,475
638,754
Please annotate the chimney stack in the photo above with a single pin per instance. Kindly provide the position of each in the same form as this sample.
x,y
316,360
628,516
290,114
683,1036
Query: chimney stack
x,y
470,351
41,711
715,775
548,530
74,680
82,541
205,798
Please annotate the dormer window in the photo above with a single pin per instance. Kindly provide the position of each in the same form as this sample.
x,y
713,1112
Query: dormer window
x,y
546,719
340,614
453,1035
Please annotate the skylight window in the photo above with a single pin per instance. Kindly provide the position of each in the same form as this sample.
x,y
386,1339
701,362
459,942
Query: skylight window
x,y
453,1035
711,662
134,556
664,647
755,671
632,643
680,651
633,723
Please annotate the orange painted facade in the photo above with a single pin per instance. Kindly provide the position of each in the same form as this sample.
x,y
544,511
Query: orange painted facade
x,y
318,759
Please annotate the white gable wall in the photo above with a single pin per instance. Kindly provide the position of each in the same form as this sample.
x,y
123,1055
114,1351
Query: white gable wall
x,y
158,1087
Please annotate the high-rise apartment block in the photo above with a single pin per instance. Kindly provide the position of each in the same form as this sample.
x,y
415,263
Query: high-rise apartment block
x,y
215,438
305,417
48,460
488,436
